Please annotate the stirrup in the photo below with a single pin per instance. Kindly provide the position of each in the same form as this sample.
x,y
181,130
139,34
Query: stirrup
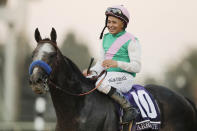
x,y
124,123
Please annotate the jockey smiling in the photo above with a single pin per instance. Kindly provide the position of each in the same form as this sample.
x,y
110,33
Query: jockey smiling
x,y
121,57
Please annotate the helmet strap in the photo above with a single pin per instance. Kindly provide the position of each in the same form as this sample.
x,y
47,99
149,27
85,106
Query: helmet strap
x,y
101,35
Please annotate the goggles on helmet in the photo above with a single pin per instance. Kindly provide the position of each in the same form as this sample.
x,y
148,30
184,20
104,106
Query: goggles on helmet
x,y
117,13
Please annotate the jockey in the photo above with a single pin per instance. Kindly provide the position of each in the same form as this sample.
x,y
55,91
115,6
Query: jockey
x,y
120,57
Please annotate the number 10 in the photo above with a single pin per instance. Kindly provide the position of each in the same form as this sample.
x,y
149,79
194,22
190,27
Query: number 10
x,y
145,104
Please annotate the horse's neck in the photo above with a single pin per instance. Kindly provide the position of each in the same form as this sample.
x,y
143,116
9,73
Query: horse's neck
x,y
78,112
67,106
68,77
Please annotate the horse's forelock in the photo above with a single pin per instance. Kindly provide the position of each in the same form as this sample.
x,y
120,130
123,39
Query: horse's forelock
x,y
47,40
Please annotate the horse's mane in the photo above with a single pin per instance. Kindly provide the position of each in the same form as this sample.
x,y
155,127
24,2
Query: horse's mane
x,y
77,70
72,65
46,39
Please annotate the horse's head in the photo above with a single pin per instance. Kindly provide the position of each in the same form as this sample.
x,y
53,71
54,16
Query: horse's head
x,y
44,59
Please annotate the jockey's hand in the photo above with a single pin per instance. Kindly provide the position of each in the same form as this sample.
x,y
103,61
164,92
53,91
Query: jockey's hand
x,y
90,75
85,73
109,63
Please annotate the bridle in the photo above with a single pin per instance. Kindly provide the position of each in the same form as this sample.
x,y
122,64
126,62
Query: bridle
x,y
46,80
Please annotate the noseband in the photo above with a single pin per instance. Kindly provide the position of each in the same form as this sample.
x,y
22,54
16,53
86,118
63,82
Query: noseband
x,y
42,64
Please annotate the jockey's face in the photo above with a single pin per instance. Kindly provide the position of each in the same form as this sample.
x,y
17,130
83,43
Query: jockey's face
x,y
114,25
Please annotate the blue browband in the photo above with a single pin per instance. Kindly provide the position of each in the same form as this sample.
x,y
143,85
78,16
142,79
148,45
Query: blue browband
x,y
42,64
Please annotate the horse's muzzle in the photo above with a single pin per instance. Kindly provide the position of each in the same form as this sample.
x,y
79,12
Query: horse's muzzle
x,y
38,83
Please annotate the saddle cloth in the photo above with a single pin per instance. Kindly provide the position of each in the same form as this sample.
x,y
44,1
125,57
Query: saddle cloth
x,y
149,117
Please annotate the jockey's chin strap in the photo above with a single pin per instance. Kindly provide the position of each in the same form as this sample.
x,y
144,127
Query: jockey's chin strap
x,y
85,93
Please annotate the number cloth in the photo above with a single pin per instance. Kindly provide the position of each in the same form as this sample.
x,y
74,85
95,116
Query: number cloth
x,y
149,117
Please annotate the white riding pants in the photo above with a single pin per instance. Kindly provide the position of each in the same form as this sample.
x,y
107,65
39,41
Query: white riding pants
x,y
120,80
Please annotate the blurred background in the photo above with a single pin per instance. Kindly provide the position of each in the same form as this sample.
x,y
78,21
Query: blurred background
x,y
167,30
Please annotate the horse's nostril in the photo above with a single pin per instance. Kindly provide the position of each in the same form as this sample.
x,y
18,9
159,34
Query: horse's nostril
x,y
33,79
39,80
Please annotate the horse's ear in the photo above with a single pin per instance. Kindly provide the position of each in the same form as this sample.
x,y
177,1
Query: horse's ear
x,y
53,35
37,35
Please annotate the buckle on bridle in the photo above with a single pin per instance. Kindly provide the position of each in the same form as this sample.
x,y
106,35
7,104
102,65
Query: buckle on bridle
x,y
45,84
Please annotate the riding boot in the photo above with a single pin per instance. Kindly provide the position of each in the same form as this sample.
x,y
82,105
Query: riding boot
x,y
129,112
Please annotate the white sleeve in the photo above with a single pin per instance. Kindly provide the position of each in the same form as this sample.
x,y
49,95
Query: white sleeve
x,y
98,68
134,52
